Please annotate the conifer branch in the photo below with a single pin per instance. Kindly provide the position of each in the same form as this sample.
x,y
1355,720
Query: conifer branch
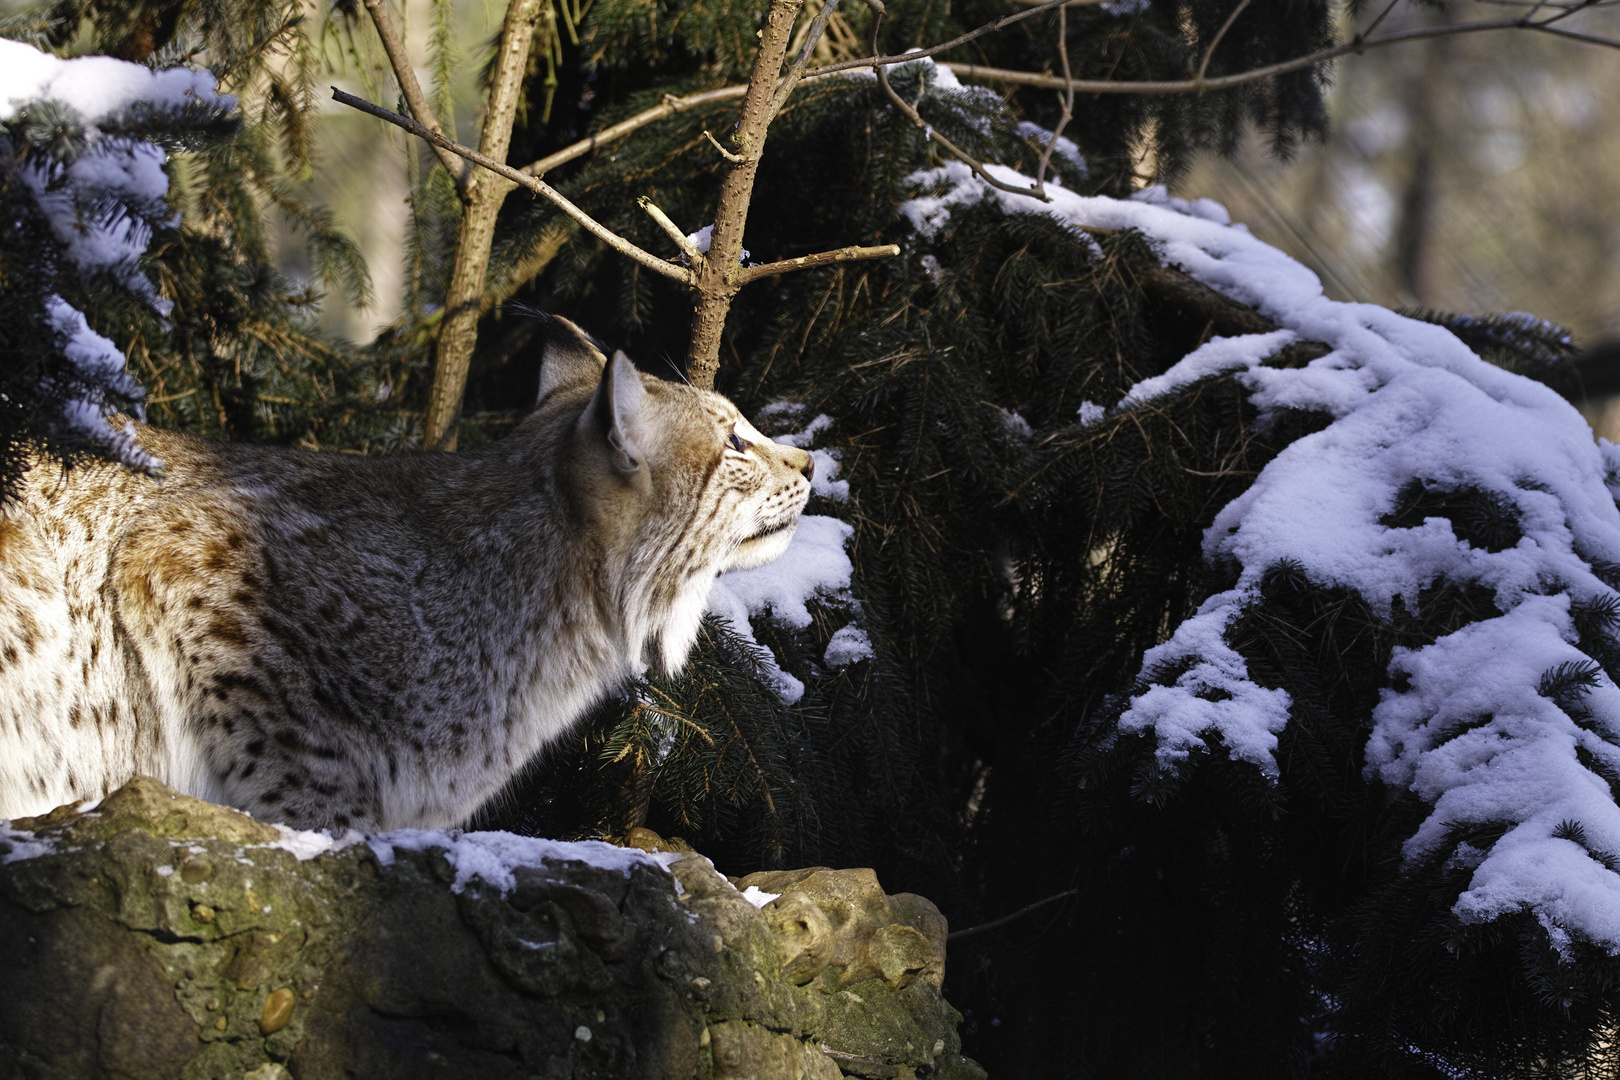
x,y
1357,44
415,100
524,180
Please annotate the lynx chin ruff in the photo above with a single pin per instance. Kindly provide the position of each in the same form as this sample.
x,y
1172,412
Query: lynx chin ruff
x,y
378,643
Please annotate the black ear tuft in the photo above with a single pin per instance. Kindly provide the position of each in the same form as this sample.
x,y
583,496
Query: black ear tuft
x,y
556,325
569,356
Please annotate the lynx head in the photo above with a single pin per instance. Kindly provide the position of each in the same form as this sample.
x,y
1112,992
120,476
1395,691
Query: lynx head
x,y
673,484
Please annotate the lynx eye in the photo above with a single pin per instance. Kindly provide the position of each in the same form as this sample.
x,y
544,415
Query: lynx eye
x,y
736,442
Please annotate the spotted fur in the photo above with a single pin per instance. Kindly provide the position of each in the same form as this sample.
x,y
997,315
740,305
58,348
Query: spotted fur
x,y
334,641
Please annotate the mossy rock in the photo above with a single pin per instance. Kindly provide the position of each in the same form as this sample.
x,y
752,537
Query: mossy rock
x,y
158,936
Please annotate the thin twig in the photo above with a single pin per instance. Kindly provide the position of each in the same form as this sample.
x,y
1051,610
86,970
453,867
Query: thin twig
x,y
917,54
682,241
1575,35
817,27
1005,919
1222,82
415,100
735,159
1382,15
1203,65
670,107
1034,192
524,180
824,258
1068,101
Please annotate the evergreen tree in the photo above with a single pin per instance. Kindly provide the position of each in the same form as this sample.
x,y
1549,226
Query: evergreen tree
x,y
1021,543
1093,681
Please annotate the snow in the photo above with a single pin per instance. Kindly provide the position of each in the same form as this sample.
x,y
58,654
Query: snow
x,y
102,365
848,645
306,845
705,236
99,88
102,203
1471,735
1065,148
815,563
492,856
21,845
757,896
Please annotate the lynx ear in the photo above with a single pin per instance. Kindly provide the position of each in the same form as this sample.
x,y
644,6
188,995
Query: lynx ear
x,y
615,416
571,357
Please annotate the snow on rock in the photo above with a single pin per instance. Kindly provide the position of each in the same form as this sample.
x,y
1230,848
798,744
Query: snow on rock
x,y
1470,734
18,844
758,897
492,856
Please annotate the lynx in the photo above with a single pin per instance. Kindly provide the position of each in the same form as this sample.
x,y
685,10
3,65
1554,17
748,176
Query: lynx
x,y
336,641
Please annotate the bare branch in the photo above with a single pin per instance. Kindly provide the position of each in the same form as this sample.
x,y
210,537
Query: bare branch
x,y
1575,35
1035,191
824,258
682,241
817,28
1221,82
524,180
670,107
1005,919
735,159
1203,65
917,54
415,100
1068,100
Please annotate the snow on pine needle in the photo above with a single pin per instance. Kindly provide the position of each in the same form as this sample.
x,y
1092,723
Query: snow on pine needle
x,y
1504,720
79,135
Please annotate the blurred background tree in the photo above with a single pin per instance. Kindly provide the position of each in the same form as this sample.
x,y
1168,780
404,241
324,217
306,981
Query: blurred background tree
x,y
1013,561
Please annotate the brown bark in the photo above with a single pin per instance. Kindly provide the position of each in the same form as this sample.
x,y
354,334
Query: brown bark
x,y
716,278
485,192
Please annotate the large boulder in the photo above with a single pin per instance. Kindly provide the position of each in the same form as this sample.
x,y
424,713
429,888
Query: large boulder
x,y
155,936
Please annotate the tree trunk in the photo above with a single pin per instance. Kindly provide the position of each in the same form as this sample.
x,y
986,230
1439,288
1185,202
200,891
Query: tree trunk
x,y
459,331
716,281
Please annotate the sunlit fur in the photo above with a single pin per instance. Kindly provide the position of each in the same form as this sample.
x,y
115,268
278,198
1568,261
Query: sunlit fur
x,y
333,640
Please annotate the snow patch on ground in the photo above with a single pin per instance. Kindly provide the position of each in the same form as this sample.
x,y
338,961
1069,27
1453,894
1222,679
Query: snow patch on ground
x,y
1470,735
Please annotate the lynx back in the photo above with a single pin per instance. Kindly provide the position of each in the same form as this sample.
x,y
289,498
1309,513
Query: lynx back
x,y
338,641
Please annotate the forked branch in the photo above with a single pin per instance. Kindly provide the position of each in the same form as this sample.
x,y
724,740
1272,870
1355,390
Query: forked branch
x,y
524,180
415,100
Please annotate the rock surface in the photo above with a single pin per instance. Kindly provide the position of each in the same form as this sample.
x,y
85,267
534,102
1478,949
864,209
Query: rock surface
x,y
156,936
